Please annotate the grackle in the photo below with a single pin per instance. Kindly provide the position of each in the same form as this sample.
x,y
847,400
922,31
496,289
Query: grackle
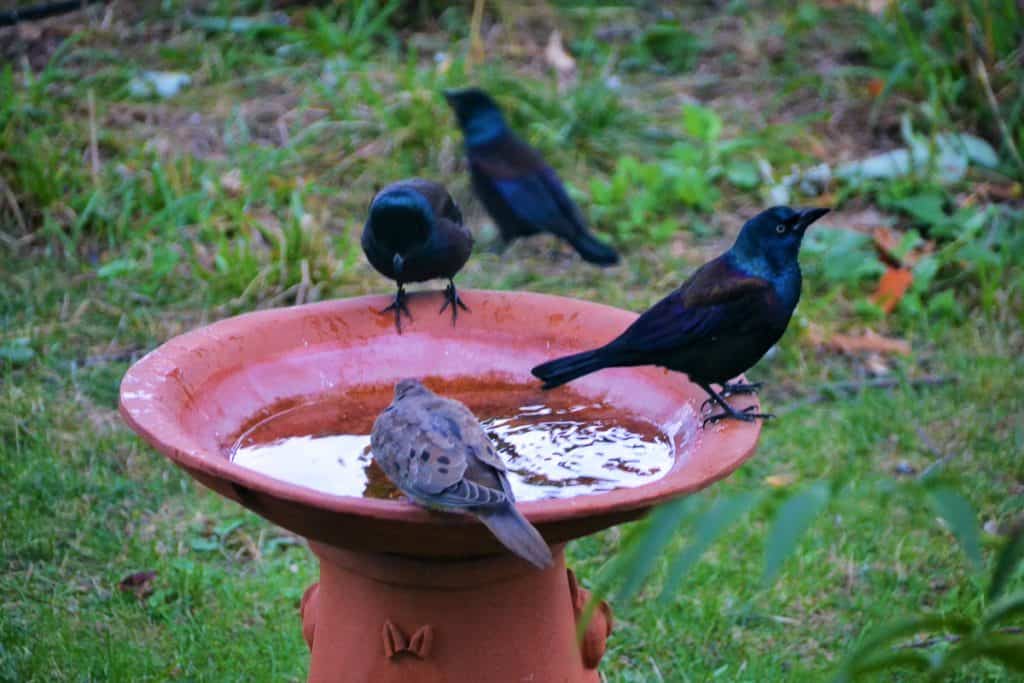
x,y
435,451
520,192
415,233
718,323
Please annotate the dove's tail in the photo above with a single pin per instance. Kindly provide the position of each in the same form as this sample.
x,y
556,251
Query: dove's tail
x,y
518,535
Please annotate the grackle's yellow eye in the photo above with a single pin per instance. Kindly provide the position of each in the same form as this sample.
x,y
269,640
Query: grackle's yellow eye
x,y
780,228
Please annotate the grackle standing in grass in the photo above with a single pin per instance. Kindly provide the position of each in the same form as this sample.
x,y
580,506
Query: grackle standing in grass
x,y
435,451
520,192
718,323
415,233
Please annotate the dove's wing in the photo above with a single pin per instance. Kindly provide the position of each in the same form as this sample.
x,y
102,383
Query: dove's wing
x,y
484,465
415,455
435,451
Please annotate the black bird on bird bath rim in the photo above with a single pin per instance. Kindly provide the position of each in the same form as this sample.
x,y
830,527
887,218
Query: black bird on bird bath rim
x,y
718,323
414,233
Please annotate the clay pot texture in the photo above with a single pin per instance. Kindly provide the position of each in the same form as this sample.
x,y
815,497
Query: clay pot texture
x,y
192,396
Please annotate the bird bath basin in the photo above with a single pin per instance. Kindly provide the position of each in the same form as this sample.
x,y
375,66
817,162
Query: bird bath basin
x,y
407,594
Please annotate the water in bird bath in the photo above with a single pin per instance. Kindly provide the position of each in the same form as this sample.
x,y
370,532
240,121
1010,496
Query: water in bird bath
x,y
555,445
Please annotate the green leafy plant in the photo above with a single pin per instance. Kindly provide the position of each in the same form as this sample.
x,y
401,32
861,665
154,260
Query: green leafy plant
x,y
352,30
923,50
936,645
793,512
666,46
645,198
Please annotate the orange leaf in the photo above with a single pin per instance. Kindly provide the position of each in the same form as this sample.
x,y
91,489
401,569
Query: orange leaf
x,y
875,87
778,481
892,287
869,342
887,242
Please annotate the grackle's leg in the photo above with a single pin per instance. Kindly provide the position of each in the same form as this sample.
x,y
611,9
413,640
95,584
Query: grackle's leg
x,y
745,415
399,307
451,298
735,389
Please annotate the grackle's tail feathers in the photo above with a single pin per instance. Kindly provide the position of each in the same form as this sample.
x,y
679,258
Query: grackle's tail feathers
x,y
593,250
518,535
557,372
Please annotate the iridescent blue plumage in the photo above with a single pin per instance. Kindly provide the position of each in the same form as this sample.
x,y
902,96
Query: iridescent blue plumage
x,y
522,194
718,323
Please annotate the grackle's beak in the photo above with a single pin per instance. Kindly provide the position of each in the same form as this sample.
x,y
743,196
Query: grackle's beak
x,y
808,216
452,96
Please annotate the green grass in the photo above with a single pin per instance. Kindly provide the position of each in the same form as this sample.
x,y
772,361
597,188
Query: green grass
x,y
100,263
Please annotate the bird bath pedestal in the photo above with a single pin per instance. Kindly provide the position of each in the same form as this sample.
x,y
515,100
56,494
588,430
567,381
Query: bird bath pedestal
x,y
405,594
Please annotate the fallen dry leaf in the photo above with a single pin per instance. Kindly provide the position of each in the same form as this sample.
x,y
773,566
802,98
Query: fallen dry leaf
x,y
779,481
875,87
1001,191
891,287
139,583
876,365
887,242
558,58
869,342
231,182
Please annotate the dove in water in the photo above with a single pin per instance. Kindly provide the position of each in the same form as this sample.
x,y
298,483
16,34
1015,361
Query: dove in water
x,y
437,453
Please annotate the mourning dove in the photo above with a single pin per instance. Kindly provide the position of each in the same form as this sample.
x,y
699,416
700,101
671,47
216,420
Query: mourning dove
x,y
437,453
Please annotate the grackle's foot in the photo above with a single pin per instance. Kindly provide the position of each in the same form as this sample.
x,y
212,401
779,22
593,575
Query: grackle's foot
x,y
734,389
399,307
451,298
745,415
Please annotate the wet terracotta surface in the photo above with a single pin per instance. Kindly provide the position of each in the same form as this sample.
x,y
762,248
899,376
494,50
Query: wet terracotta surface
x,y
406,594
555,445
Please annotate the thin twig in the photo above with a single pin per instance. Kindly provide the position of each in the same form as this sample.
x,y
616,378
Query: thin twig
x,y
476,45
829,391
928,642
94,150
940,457
994,103
12,201
130,354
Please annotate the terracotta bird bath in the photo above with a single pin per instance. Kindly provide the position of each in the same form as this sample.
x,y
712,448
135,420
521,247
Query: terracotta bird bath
x,y
406,594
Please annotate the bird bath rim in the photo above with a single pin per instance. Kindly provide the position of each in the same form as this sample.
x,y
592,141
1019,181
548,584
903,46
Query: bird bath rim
x,y
162,394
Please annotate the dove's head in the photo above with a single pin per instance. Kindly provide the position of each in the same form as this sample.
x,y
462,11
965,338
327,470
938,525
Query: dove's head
x,y
409,387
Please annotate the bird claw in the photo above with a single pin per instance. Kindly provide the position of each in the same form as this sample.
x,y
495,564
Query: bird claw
x,y
399,307
745,415
451,298
737,388
734,389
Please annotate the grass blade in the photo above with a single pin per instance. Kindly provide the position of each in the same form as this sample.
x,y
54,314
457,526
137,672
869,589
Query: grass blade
x,y
639,559
711,525
907,659
793,519
1009,607
1006,564
959,514
1008,650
